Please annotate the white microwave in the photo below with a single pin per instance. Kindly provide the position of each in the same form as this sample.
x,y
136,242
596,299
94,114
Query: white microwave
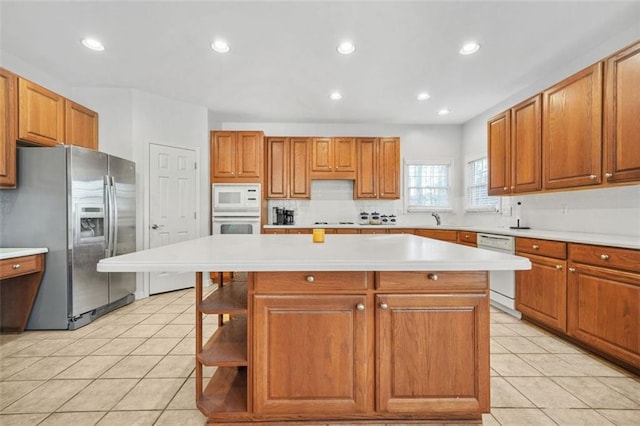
x,y
236,198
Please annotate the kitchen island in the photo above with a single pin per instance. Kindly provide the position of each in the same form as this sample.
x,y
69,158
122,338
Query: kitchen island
x,y
377,328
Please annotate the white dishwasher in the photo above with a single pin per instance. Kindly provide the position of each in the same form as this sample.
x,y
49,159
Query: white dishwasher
x,y
501,283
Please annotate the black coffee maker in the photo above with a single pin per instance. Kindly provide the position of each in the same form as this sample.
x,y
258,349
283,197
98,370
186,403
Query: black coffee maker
x,y
278,216
289,217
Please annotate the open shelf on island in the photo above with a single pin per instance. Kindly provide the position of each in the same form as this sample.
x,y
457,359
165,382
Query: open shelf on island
x,y
228,345
226,392
229,299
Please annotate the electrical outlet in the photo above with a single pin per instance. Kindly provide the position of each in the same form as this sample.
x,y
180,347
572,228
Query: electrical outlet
x,y
564,209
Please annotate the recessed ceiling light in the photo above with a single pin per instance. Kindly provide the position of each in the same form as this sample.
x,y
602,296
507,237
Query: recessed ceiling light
x,y
444,111
423,96
346,48
336,96
469,48
220,46
93,44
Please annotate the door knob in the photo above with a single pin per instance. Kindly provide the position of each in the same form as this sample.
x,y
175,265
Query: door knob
x,y
360,306
154,226
384,306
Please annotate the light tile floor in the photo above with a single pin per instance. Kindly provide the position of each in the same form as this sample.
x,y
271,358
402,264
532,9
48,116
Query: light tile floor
x,y
135,366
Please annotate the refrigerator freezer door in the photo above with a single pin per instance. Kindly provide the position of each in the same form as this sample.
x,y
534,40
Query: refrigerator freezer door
x,y
123,174
88,227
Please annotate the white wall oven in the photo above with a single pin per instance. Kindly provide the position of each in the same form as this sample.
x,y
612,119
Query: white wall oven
x,y
236,208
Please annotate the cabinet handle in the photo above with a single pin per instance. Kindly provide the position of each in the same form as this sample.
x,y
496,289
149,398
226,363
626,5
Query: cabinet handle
x,y
608,175
513,187
505,188
360,306
559,267
535,246
384,306
433,277
604,256
310,278
572,269
16,266
592,177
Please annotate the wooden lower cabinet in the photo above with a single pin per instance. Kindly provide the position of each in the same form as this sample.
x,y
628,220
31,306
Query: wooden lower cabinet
x,y
312,355
439,339
438,234
541,292
20,279
604,311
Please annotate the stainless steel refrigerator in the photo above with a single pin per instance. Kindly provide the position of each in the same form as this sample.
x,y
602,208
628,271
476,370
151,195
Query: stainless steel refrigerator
x,y
81,205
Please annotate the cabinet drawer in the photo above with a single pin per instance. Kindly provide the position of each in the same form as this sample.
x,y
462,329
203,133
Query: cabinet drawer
x,y
468,237
20,266
432,281
546,248
620,258
310,281
438,234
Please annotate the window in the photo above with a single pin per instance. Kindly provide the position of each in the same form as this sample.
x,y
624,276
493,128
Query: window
x,y
477,197
427,186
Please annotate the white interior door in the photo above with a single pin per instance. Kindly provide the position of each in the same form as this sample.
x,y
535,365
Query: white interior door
x,y
172,208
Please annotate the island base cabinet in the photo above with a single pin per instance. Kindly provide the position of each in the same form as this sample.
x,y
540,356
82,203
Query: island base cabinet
x,y
312,355
432,353
604,311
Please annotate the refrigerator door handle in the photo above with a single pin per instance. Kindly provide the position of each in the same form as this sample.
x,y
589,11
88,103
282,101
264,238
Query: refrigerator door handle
x,y
110,219
114,208
107,200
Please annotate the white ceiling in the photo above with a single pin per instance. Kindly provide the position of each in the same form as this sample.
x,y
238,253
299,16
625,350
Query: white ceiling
x,y
283,61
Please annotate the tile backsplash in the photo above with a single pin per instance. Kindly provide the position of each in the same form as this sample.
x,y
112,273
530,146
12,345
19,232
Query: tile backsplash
x,y
332,201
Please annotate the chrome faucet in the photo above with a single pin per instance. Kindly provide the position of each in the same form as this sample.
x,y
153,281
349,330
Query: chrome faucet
x,y
437,216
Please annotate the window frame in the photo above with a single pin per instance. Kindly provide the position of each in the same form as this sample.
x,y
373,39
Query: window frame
x,y
449,162
468,208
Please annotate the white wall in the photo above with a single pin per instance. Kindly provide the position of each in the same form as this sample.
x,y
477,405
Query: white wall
x,y
132,119
333,200
609,210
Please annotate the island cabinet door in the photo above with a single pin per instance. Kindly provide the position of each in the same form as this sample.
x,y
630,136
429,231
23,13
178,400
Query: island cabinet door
x,y
312,355
432,353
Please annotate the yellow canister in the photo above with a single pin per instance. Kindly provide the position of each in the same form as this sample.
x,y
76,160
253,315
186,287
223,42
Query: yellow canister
x,y
318,235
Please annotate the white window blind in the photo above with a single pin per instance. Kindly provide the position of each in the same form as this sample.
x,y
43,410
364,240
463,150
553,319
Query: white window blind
x,y
477,183
427,186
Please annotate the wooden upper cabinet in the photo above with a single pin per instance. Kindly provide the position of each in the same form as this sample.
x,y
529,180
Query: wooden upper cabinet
x,y
367,178
333,158
249,154
40,114
288,168
526,146
344,155
572,130
622,116
8,115
378,174
299,157
223,155
322,155
389,168
499,153
236,156
81,125
277,167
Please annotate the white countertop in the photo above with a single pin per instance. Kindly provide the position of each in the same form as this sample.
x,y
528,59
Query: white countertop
x,y
9,253
625,241
265,252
